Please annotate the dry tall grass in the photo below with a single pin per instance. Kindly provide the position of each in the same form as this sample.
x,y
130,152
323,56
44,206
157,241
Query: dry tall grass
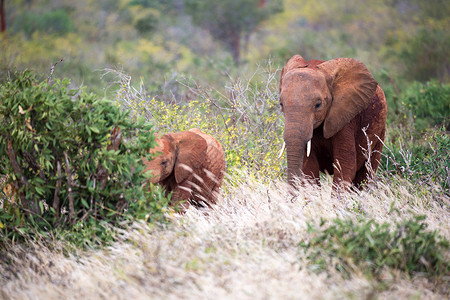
x,y
246,248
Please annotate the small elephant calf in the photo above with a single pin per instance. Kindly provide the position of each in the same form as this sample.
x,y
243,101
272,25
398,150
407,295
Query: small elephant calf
x,y
190,164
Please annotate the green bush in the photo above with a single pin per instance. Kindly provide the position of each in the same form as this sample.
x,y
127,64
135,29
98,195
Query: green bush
x,y
425,54
424,159
146,23
57,22
429,103
370,247
417,141
71,157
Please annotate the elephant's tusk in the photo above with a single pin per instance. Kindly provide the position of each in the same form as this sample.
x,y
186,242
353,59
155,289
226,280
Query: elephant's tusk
x,y
308,148
282,150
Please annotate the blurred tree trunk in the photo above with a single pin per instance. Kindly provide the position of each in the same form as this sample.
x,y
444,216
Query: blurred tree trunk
x,y
231,22
236,46
101,24
2,16
261,5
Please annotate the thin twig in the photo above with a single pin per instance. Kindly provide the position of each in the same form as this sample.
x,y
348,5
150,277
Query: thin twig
x,y
56,205
52,69
92,195
69,187
368,156
391,158
28,211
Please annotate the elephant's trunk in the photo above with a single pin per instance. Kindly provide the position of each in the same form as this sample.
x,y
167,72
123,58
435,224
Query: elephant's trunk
x,y
294,163
296,139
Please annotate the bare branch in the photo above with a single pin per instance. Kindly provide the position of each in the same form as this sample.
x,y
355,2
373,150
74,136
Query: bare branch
x,y
56,204
52,69
69,187
368,155
22,179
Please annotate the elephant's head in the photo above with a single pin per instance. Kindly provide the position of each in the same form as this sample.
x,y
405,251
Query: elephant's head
x,y
178,155
314,93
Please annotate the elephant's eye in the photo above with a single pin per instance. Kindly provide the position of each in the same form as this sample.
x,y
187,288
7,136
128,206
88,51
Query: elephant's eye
x,y
164,163
318,105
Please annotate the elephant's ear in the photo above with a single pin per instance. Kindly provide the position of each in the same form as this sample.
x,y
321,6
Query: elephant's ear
x,y
191,155
296,61
352,88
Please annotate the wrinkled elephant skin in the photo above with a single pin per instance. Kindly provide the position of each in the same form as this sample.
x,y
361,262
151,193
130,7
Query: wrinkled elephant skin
x,y
329,103
190,164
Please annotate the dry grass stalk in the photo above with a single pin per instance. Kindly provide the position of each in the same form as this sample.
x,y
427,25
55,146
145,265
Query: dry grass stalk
x,y
245,248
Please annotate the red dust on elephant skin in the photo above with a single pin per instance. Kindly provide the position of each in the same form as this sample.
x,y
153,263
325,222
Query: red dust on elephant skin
x,y
191,165
335,113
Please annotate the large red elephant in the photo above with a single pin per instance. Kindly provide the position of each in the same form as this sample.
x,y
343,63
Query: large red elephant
x,y
190,164
326,105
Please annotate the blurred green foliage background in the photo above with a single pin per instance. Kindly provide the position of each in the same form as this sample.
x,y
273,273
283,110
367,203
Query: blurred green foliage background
x,y
400,40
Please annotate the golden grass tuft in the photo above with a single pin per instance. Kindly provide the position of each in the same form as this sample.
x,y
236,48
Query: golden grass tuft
x,y
245,248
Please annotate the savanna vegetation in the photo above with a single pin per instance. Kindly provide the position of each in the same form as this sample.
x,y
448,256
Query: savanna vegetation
x,y
86,84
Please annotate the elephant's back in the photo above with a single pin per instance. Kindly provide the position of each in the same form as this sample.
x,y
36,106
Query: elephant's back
x,y
376,113
215,162
374,120
214,167
214,149
314,63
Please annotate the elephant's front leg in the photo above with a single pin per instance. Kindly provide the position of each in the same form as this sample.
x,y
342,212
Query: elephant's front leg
x,y
311,167
181,195
344,156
